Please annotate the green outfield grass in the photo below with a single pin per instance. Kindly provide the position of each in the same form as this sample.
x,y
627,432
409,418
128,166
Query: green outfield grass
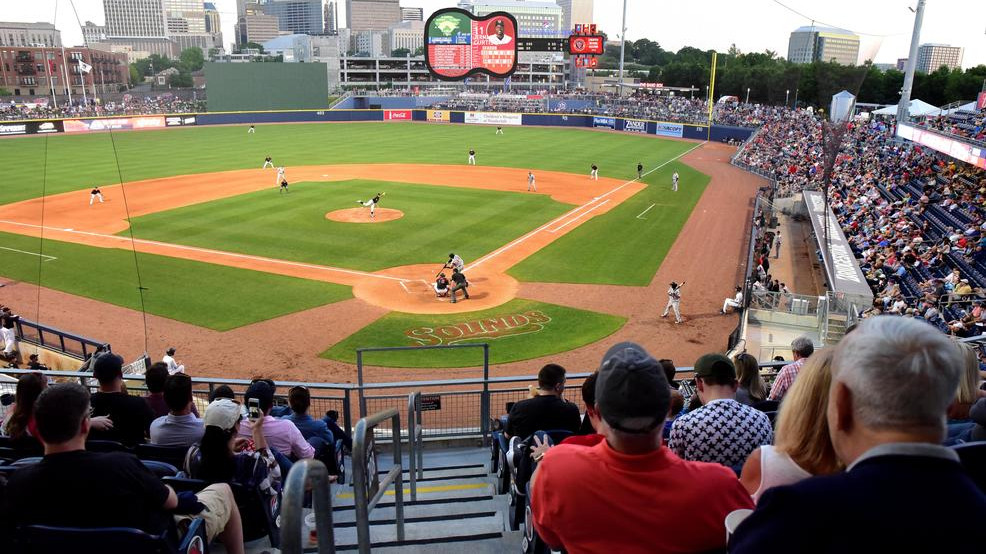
x,y
527,329
618,247
437,220
76,162
212,296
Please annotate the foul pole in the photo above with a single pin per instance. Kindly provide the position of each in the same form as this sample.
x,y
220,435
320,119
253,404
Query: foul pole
x,y
712,89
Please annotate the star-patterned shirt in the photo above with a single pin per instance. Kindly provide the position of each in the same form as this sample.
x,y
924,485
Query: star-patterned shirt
x,y
723,431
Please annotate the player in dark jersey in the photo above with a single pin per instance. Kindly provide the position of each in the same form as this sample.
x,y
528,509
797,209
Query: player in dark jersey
x,y
94,194
267,163
371,203
640,170
284,186
472,157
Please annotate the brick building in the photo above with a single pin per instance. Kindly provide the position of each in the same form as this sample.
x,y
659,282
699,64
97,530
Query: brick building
x,y
24,72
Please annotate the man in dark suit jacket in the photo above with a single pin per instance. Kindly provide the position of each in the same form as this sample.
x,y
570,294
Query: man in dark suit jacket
x,y
892,381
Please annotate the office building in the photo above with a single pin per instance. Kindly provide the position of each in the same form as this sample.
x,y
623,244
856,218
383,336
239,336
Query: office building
x,y
933,56
412,14
407,34
901,64
13,33
814,43
374,44
92,33
255,26
297,16
575,11
536,18
135,18
213,23
372,15
331,17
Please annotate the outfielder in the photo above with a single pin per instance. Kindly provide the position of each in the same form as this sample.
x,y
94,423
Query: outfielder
x,y
472,157
94,194
640,170
674,182
267,163
280,175
499,130
674,298
531,185
251,130
371,203
595,172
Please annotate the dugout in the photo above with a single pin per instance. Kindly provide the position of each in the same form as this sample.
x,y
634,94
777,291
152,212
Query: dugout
x,y
267,86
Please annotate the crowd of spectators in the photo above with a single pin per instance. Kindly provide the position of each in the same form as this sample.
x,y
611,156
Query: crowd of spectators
x,y
135,106
968,125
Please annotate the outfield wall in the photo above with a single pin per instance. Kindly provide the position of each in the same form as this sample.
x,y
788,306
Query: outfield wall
x,y
627,125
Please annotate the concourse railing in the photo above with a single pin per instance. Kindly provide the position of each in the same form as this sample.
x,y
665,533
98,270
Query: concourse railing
x,y
368,487
415,441
307,475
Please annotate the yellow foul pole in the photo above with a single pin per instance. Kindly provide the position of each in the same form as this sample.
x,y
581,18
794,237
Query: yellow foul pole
x,y
712,89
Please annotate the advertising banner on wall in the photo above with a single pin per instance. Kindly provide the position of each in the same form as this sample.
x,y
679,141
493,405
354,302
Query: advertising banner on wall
x,y
113,124
635,126
440,116
968,153
841,269
397,115
30,128
669,130
179,120
494,118
608,122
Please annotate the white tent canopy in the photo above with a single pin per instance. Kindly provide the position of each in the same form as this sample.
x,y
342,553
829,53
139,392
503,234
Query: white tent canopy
x,y
970,107
917,108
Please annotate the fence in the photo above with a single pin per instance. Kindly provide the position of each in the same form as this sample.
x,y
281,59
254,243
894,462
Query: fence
x,y
70,344
306,475
368,488
797,304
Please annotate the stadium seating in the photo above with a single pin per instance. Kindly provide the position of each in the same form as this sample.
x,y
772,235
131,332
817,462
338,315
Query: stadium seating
x,y
44,539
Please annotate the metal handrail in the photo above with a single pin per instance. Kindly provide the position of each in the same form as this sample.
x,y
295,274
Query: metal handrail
x,y
415,453
303,473
366,479
88,345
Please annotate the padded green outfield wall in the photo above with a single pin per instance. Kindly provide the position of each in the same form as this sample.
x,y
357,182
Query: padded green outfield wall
x,y
266,86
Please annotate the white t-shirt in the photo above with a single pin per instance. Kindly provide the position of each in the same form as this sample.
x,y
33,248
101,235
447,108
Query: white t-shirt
x,y
499,41
777,469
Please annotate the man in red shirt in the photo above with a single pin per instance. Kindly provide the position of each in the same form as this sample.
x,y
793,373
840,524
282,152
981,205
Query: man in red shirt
x,y
630,494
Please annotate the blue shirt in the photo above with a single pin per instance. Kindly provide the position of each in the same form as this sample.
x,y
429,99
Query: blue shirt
x,y
310,427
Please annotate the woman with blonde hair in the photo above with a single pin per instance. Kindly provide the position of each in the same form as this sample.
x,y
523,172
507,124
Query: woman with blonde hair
x,y
802,447
969,391
751,389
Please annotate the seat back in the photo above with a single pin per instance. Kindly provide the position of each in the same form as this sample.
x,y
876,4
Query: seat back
x,y
44,539
106,446
767,405
160,469
973,458
174,455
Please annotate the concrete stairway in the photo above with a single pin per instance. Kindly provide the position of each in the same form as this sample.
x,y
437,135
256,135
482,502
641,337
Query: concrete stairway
x,y
455,511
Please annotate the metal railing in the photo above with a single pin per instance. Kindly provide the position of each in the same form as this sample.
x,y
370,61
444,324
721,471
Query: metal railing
x,y
304,473
368,488
798,304
415,442
70,344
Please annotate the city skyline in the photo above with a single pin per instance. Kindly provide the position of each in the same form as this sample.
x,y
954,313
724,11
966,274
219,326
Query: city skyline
x,y
884,27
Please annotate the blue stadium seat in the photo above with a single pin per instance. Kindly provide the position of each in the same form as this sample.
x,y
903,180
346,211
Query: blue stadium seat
x,y
174,455
973,458
45,539
160,469
106,446
259,514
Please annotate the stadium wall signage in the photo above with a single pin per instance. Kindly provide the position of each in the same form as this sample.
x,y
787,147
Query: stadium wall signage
x,y
489,328
669,130
841,269
438,116
31,128
635,126
459,44
959,150
113,124
179,120
494,118
608,122
397,115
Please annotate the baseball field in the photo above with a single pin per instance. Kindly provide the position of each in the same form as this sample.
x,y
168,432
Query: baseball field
x,y
196,235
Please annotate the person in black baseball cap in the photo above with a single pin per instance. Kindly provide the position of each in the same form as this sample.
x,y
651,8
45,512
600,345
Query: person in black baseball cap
x,y
632,392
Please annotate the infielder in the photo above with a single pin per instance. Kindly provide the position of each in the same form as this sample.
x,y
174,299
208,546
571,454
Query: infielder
x,y
251,130
472,157
284,186
94,194
267,163
454,262
674,298
674,182
640,170
499,130
531,185
280,175
371,203
735,302
595,172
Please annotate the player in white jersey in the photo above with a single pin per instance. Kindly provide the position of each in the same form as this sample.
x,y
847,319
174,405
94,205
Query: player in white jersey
x,y
531,185
674,299
674,182
280,175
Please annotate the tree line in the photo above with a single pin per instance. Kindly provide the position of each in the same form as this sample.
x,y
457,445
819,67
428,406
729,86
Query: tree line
x,y
769,76
189,61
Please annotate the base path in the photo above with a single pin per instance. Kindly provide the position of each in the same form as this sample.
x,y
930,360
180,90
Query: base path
x,y
69,217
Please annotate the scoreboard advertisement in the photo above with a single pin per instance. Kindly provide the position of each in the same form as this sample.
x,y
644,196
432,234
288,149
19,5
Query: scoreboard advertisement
x,y
459,44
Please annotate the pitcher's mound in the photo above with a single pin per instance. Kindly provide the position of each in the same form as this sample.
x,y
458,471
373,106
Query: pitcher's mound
x,y
362,215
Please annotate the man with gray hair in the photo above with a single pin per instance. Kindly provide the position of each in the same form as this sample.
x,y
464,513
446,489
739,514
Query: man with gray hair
x,y
629,493
893,379
802,348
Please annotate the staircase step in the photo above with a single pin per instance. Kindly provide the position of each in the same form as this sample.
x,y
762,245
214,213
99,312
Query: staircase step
x,y
509,542
426,532
448,508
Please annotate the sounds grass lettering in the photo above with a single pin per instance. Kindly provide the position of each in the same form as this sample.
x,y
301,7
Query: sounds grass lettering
x,y
487,328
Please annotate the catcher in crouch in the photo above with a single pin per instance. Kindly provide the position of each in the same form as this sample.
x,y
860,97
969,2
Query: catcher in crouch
x,y
371,203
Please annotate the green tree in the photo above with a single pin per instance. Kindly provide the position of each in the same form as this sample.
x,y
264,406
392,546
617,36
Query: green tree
x,y
400,52
5,92
192,58
419,51
255,46
181,80
135,75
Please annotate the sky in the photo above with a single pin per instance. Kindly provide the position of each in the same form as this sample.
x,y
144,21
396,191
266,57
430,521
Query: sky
x,y
752,25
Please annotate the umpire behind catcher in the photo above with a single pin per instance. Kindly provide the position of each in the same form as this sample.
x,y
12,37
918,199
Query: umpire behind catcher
x,y
459,280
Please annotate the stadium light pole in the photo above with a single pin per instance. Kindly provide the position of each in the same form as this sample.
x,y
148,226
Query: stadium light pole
x,y
903,107
623,45
787,97
747,95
